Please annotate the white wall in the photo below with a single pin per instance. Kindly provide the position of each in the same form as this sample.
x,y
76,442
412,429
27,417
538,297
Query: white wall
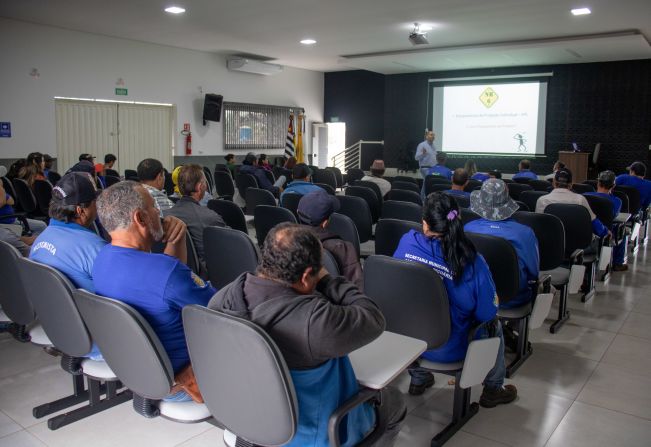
x,y
82,65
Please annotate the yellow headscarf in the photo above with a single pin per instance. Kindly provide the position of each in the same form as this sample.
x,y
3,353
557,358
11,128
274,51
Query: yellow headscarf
x,y
175,179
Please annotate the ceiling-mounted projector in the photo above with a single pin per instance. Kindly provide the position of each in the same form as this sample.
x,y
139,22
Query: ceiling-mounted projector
x,y
418,37
253,66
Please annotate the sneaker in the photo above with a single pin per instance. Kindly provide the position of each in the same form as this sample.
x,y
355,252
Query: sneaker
x,y
493,397
620,268
417,390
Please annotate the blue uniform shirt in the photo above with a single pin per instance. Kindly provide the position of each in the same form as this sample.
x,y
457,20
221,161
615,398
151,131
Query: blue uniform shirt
x,y
616,201
299,187
6,210
526,173
441,171
456,192
69,248
480,176
524,241
472,298
156,285
644,186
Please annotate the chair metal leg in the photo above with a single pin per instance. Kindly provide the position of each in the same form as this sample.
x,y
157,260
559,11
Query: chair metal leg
x,y
462,412
524,349
80,394
563,313
592,272
18,331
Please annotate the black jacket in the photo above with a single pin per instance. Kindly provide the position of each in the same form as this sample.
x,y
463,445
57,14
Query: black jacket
x,y
344,253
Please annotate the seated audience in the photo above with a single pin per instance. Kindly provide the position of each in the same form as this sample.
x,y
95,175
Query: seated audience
x,y
471,169
15,168
230,163
69,243
459,182
302,183
193,186
496,209
249,166
562,193
316,320
495,173
88,157
558,165
88,168
33,169
152,177
47,164
524,171
635,178
263,162
377,171
440,169
315,209
156,285
7,210
109,161
443,246
21,243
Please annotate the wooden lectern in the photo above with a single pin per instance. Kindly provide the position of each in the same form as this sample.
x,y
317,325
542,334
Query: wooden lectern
x,y
577,163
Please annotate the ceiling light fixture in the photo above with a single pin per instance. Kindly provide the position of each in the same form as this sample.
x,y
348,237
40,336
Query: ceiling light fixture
x,y
308,41
418,37
175,10
581,11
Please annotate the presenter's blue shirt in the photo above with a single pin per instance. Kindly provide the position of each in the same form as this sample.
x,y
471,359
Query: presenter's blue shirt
x,y
156,285
320,392
472,298
616,201
299,187
644,186
70,248
441,171
6,210
524,241
480,176
428,159
526,173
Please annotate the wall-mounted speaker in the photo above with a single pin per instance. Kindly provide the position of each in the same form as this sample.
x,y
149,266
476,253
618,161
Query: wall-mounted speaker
x,y
212,107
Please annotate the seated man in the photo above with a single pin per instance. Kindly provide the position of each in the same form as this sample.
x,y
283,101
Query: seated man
x,y
377,171
558,165
459,182
193,186
440,169
562,193
315,209
635,178
302,183
69,243
524,171
315,320
152,177
495,207
156,285
250,166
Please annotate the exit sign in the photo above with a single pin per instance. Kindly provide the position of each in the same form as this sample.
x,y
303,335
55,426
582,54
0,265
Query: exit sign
x,y
121,91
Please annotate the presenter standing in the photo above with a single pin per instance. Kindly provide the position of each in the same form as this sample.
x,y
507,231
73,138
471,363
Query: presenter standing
x,y
426,153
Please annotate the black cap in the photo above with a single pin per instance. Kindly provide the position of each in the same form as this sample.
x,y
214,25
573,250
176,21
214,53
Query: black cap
x,y
563,176
301,170
638,168
250,159
75,188
317,206
83,166
88,157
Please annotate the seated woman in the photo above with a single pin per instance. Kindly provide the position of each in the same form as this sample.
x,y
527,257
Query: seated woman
x,y
443,246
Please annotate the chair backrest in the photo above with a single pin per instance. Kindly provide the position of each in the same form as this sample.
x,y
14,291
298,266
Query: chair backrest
x,y
369,196
523,180
437,187
541,185
405,178
327,188
576,223
13,297
411,296
472,185
270,176
624,198
248,388
245,181
43,194
550,234
358,211
396,209
210,179
530,198
325,176
221,167
515,189
388,233
330,263
231,213
502,262
224,184
403,195
266,217
432,180
258,196
522,206
354,174
50,293
193,257
107,171
468,215
374,186
581,188
128,344
111,180
290,201
227,253
633,197
462,201
603,209
130,174
168,184
25,196
54,177
592,183
338,175
9,189
344,227
409,186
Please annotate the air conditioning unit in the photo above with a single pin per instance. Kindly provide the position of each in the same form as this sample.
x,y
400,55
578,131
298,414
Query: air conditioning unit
x,y
253,66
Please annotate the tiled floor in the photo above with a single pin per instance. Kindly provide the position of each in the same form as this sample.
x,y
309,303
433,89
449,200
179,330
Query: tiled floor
x,y
589,385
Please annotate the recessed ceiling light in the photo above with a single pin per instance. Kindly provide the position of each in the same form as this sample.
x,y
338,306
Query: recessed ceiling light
x,y
581,11
308,41
175,10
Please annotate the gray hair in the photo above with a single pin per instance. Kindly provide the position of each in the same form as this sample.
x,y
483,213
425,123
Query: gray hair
x,y
116,205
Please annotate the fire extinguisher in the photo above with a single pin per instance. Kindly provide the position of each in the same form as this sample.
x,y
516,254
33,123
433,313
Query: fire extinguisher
x,y
188,144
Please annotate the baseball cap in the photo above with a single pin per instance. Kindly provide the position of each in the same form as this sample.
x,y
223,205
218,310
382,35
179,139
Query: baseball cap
x,y
492,201
83,166
563,176
75,188
88,157
638,168
317,206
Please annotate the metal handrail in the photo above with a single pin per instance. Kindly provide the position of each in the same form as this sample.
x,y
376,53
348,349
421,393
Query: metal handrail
x,y
351,157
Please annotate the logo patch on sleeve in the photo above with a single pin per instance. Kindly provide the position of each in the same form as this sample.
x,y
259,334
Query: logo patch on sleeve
x,y
496,301
198,281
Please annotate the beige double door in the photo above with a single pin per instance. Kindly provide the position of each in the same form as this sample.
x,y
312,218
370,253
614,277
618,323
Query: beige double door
x,y
132,132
